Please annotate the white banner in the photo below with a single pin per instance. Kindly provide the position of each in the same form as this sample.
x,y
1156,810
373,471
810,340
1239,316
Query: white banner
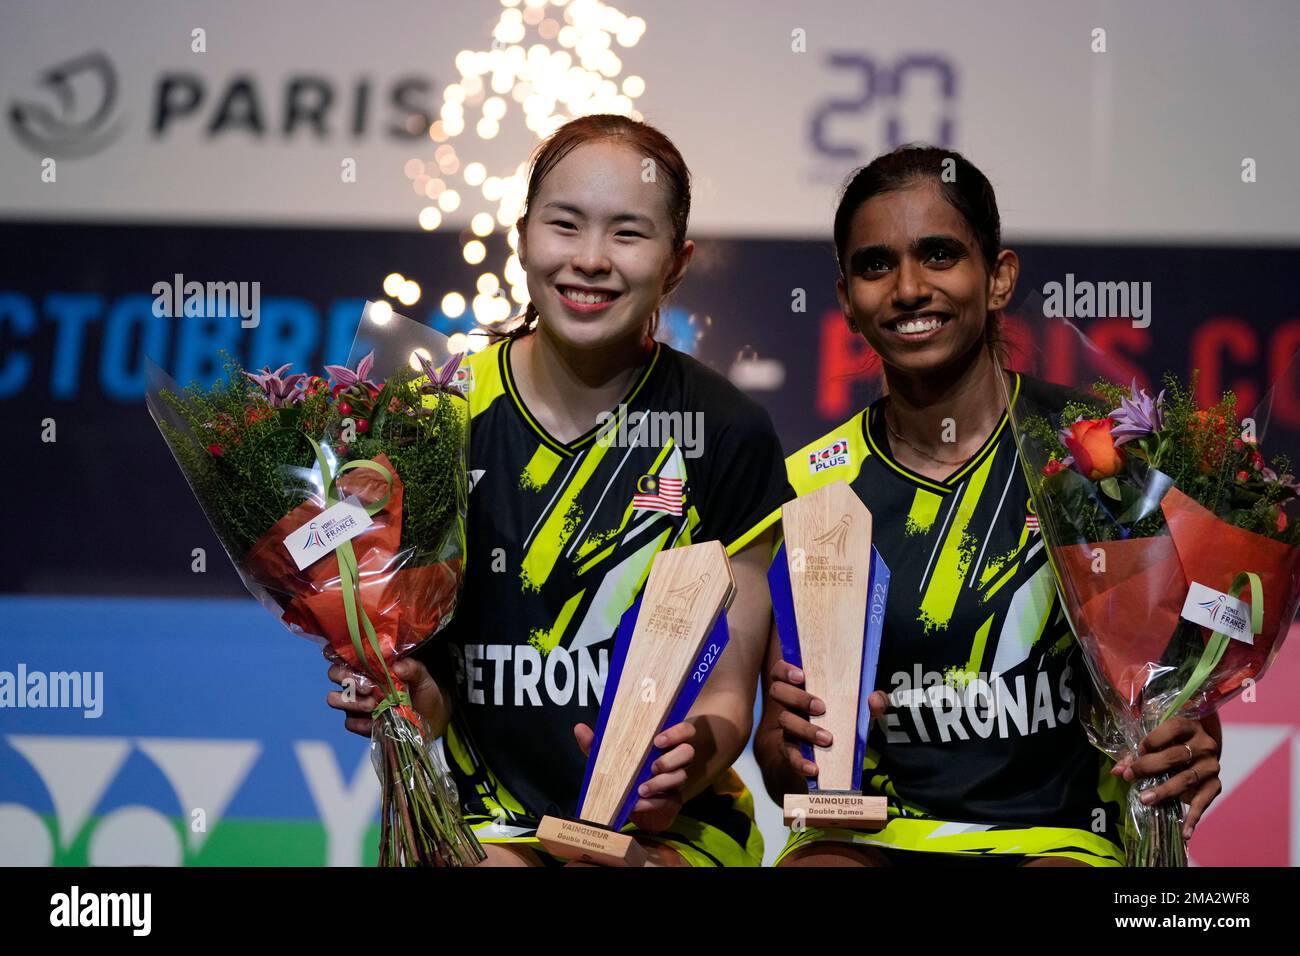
x,y
1099,121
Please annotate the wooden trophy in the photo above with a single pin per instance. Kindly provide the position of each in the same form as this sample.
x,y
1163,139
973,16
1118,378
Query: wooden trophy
x,y
829,586
666,646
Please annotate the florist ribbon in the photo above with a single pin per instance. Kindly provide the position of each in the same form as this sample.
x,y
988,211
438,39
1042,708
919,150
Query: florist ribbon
x,y
349,575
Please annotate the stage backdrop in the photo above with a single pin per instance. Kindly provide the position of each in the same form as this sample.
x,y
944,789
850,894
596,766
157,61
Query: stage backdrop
x,y
208,741
1101,121
209,705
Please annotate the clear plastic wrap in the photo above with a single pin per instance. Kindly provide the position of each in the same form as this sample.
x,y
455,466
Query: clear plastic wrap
x,y
1160,518
341,503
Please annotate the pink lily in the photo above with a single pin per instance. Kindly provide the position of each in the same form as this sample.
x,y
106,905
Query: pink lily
x,y
440,379
345,378
280,390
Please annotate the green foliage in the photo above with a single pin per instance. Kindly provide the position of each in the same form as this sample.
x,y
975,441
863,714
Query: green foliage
x,y
426,450
1200,450
249,464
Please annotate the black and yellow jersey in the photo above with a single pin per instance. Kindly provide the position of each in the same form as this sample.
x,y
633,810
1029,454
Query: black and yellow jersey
x,y
982,749
561,536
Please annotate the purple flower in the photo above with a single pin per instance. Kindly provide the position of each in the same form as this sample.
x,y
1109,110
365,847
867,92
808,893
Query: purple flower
x,y
280,390
344,376
440,379
1138,416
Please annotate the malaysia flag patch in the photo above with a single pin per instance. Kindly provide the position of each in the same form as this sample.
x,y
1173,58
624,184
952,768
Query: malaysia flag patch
x,y
654,493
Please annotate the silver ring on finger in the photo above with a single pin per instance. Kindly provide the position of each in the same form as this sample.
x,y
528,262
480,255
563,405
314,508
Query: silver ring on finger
x,y
1190,755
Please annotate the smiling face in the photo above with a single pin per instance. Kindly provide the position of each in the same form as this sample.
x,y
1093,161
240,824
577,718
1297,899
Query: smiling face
x,y
597,247
916,285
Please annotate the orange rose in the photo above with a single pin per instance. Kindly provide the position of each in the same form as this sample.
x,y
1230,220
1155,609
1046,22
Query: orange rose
x,y
1093,448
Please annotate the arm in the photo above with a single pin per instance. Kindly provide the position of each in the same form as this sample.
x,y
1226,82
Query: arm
x,y
742,481
723,714
716,730
433,692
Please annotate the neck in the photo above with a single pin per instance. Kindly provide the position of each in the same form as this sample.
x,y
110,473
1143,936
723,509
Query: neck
x,y
570,387
965,396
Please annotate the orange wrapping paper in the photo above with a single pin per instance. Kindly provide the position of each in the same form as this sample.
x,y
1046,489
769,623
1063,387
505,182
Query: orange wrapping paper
x,y
1132,610
405,604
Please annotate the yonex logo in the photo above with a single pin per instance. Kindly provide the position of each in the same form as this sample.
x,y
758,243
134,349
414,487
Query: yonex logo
x,y
102,817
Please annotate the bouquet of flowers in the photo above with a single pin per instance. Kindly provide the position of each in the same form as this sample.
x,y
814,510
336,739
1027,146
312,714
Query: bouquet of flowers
x,y
341,502
1176,562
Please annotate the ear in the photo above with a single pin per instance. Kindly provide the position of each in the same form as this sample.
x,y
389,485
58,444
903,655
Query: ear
x,y
520,246
846,310
681,261
1002,282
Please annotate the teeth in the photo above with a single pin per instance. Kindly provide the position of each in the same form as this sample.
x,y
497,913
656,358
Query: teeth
x,y
587,298
913,326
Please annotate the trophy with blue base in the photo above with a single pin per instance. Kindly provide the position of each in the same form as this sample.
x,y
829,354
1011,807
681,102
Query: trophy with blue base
x,y
829,585
667,644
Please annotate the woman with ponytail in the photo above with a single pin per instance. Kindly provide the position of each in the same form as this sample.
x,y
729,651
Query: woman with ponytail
x,y
567,429
978,743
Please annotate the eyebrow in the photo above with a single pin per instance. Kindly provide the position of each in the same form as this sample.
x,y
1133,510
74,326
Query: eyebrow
x,y
618,217
864,254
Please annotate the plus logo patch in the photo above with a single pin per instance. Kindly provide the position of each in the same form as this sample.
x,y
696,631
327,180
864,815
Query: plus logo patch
x,y
834,454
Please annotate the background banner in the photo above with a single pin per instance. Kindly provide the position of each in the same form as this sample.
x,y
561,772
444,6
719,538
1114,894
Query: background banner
x,y
147,143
